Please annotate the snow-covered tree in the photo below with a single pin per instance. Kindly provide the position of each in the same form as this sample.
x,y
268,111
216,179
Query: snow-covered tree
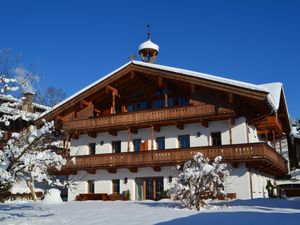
x,y
30,154
198,180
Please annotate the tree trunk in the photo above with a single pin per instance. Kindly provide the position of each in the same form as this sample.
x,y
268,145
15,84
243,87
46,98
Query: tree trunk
x,y
30,184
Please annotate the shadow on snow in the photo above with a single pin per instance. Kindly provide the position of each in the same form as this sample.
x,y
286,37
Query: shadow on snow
x,y
10,211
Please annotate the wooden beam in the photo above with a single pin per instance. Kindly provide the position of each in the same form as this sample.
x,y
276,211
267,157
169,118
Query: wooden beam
x,y
113,132
112,170
230,98
157,168
156,128
133,169
112,89
91,171
75,136
92,134
160,81
152,138
205,123
179,125
193,88
84,102
134,130
132,75
230,130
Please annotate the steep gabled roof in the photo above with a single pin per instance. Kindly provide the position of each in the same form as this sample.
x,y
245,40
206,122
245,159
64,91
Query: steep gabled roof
x,y
270,90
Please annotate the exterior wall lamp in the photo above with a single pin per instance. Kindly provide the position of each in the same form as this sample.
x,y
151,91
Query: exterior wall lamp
x,y
198,134
170,179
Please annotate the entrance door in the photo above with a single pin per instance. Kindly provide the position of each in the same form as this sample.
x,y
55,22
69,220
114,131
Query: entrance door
x,y
159,187
149,188
139,188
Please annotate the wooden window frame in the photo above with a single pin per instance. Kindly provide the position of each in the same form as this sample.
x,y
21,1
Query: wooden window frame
x,y
164,142
113,186
90,148
178,138
112,146
212,138
91,186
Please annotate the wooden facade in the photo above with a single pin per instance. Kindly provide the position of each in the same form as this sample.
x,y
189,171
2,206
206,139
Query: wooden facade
x,y
259,156
148,118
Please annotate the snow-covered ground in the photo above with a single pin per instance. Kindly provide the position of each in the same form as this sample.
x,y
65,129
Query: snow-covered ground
x,y
244,212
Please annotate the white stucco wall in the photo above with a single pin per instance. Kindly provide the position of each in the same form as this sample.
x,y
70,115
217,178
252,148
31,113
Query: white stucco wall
x,y
103,180
238,182
259,182
171,133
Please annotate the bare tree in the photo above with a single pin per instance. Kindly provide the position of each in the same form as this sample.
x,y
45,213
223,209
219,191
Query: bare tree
x,y
50,97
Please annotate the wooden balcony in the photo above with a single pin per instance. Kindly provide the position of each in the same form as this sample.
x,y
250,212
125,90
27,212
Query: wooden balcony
x,y
152,116
258,156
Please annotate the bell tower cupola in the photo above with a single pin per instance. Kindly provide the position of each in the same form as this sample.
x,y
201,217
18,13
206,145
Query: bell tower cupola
x,y
148,50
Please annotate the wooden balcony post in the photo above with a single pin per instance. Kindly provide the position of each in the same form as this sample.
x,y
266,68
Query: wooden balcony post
x,y
266,135
166,100
113,111
152,137
230,130
273,135
128,140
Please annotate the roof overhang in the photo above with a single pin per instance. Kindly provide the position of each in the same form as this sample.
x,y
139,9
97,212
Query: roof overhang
x,y
236,87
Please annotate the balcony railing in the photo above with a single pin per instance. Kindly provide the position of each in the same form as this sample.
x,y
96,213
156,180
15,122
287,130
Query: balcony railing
x,y
258,156
140,118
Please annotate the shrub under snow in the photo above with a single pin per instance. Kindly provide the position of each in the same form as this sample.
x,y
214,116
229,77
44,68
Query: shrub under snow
x,y
199,180
52,196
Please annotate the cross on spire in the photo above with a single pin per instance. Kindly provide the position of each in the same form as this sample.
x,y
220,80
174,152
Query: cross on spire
x,y
132,57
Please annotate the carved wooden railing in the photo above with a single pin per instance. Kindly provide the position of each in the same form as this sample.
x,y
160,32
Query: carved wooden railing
x,y
146,116
261,153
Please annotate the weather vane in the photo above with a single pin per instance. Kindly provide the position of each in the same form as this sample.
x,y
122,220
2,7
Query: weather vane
x,y
148,30
132,57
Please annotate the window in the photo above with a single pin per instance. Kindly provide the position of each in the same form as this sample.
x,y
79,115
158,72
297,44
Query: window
x,y
184,141
92,148
137,106
116,186
170,102
159,103
216,138
116,146
160,143
130,108
182,100
137,145
91,186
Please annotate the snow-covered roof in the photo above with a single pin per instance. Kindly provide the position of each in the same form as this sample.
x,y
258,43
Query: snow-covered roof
x,y
148,45
272,88
10,98
274,92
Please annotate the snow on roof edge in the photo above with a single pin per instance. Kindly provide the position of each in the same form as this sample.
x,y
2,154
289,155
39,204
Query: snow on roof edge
x,y
13,99
203,76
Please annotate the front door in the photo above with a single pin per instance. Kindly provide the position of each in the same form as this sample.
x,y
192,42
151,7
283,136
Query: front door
x,y
149,188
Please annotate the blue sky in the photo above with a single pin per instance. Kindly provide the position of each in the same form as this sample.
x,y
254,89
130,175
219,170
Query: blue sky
x,y
73,43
